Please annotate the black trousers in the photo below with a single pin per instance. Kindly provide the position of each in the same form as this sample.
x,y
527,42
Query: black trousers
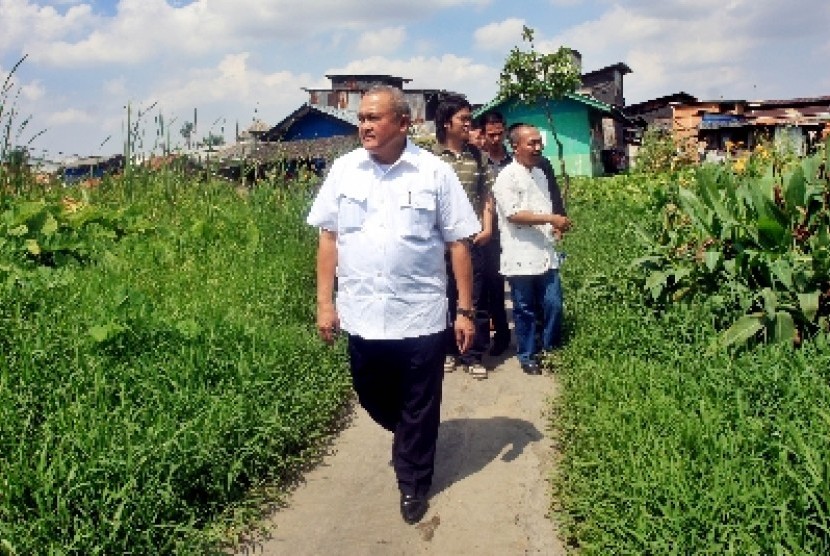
x,y
495,287
398,382
481,340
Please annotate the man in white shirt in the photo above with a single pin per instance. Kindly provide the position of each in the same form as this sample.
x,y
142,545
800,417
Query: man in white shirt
x,y
386,213
528,229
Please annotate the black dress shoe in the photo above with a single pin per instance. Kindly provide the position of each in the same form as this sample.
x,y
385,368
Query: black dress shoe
x,y
413,508
532,368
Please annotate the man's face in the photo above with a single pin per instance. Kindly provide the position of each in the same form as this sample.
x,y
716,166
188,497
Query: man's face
x,y
382,131
477,138
458,127
493,136
528,149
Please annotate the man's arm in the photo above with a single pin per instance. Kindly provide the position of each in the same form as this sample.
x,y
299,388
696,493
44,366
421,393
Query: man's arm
x,y
328,323
526,217
488,214
462,269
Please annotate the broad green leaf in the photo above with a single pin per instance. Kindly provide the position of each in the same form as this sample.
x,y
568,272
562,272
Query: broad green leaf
x,y
697,211
784,329
796,190
809,304
32,246
711,259
50,226
743,330
783,271
19,231
771,233
104,332
655,283
25,211
770,299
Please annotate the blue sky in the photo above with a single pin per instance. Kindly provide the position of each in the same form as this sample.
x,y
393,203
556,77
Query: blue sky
x,y
234,60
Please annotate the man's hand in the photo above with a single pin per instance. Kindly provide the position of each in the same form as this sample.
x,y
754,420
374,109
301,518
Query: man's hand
x,y
328,323
464,332
561,223
482,238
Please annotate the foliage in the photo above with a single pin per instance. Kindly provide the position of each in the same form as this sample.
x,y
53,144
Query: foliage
x,y
13,150
534,78
158,366
187,132
664,452
658,153
755,237
213,140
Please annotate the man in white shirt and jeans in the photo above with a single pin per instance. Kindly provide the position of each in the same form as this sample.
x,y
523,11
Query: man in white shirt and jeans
x,y
386,213
529,259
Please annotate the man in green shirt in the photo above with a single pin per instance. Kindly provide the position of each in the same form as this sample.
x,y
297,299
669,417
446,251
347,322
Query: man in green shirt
x,y
452,130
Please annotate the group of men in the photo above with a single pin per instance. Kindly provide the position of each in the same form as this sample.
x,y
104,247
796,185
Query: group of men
x,y
418,244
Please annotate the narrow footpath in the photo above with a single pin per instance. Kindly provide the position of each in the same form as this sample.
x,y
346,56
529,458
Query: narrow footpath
x,y
490,494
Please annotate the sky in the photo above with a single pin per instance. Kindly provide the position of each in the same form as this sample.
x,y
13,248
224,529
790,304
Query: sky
x,y
91,63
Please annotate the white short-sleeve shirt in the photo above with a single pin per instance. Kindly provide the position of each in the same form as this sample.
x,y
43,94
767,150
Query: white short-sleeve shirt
x,y
392,225
525,249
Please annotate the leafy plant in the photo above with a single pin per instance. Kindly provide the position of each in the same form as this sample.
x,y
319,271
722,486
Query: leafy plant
x,y
764,236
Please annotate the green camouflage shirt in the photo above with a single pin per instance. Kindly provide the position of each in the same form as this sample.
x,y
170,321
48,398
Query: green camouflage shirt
x,y
473,172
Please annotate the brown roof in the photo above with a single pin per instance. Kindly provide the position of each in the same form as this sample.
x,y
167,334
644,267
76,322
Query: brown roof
x,y
274,151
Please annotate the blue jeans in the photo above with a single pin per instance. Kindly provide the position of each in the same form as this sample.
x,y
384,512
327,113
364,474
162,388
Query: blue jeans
x,y
536,295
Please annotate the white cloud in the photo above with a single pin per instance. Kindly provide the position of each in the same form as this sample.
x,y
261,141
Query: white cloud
x,y
68,116
33,91
143,29
116,87
386,40
499,36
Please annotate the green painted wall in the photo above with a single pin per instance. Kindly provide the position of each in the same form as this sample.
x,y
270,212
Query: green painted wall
x,y
573,126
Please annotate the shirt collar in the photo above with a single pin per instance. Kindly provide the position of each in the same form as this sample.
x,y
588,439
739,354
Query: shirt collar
x,y
408,156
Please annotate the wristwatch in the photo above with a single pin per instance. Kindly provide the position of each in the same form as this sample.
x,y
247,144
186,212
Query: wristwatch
x,y
468,313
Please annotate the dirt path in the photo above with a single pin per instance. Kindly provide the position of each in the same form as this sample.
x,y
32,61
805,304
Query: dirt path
x,y
490,494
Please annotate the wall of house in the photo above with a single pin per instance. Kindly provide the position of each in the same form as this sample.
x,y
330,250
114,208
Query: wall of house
x,y
580,137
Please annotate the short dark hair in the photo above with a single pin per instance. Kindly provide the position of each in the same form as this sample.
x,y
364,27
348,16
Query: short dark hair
x,y
492,117
447,108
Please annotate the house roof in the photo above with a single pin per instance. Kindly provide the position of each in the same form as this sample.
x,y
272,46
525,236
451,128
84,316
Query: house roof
x,y
619,66
368,77
279,130
646,105
584,99
274,151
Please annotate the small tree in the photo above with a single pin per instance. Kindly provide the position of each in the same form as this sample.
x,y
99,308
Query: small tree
x,y
187,132
534,78
213,140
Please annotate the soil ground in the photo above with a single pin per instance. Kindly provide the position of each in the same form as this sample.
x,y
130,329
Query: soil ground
x,y
490,494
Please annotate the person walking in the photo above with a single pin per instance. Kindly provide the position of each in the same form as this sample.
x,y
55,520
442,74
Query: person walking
x,y
453,119
387,213
498,157
529,260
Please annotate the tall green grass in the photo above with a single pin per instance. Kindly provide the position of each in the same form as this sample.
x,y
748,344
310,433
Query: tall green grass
x,y
665,450
147,387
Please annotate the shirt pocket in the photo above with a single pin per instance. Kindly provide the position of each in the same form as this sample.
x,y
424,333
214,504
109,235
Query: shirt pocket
x,y
418,214
351,211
